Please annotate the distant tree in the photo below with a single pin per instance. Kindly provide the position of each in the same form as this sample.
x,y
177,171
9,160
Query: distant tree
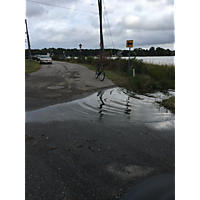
x,y
125,53
94,52
152,51
139,52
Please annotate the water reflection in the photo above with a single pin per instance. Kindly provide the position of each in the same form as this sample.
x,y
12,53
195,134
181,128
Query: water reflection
x,y
127,111
105,104
116,104
101,110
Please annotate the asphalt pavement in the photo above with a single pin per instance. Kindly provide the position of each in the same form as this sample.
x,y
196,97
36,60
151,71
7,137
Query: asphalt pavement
x,y
60,82
87,139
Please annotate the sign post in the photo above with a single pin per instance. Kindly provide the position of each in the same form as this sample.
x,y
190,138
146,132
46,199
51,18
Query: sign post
x,y
129,43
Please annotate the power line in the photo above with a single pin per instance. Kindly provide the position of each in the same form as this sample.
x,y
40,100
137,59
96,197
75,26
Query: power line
x,y
86,3
106,29
108,23
60,7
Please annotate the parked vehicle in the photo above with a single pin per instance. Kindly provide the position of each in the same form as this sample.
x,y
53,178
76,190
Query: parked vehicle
x,y
45,59
36,57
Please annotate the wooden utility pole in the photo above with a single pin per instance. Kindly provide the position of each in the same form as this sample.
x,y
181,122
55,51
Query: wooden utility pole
x,y
29,46
101,31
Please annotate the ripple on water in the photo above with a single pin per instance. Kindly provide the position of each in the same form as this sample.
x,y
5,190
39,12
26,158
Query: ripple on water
x,y
112,104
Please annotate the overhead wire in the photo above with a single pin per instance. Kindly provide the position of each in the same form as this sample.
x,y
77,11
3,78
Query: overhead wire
x,y
108,25
106,29
86,3
60,6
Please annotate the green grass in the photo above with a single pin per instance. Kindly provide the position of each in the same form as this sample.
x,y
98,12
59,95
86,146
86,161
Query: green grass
x,y
117,78
151,77
32,66
169,104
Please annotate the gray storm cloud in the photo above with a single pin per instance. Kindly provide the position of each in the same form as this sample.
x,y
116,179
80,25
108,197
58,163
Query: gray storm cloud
x,y
51,26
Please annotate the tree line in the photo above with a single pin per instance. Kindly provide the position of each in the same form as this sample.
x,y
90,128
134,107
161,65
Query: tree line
x,y
95,52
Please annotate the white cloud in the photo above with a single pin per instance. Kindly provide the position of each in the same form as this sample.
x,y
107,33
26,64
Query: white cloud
x,y
35,10
147,22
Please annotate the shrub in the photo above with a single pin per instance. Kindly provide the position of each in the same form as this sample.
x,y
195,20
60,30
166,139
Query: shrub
x,y
89,60
142,82
81,59
138,65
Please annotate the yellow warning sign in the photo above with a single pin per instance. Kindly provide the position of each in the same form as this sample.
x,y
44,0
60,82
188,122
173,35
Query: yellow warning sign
x,y
129,43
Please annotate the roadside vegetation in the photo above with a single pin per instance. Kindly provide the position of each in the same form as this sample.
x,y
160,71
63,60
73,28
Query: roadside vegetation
x,y
149,77
31,66
169,104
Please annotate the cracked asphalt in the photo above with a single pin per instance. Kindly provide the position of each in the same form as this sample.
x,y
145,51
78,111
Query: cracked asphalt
x,y
75,81
82,156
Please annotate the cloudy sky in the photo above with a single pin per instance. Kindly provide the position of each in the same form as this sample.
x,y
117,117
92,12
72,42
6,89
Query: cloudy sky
x,y
65,24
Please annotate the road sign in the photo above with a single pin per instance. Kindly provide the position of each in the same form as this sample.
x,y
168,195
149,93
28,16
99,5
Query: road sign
x,y
129,43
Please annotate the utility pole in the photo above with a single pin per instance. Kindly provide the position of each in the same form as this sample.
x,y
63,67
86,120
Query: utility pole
x,y
101,31
29,46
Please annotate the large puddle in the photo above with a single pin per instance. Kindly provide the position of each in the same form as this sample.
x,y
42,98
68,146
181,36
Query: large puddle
x,y
112,104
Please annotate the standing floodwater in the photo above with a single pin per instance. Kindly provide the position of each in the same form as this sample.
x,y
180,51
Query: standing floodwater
x,y
116,104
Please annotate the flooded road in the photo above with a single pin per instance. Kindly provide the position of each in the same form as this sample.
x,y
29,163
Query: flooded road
x,y
116,104
99,146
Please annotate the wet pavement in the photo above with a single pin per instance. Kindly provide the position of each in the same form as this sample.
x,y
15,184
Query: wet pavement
x,y
99,146
115,104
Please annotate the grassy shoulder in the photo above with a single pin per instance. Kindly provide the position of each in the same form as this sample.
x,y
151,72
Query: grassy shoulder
x,y
169,104
32,66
